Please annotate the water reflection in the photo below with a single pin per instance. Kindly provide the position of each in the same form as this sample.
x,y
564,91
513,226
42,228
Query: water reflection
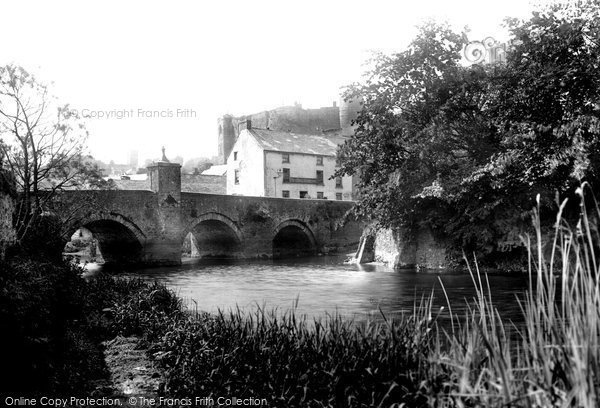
x,y
327,285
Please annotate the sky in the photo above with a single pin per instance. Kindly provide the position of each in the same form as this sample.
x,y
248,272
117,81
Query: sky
x,y
159,73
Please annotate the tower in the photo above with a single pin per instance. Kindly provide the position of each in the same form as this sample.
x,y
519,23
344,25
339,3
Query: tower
x,y
227,136
133,159
165,182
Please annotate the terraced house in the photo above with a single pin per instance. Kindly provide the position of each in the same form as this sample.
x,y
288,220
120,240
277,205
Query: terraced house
x,y
288,152
272,163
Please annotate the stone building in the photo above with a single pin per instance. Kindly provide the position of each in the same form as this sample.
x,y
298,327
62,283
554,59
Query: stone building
x,y
291,119
271,163
287,152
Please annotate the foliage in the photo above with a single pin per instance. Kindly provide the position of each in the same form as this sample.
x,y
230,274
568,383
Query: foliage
x,y
553,358
53,322
462,149
197,165
43,145
45,345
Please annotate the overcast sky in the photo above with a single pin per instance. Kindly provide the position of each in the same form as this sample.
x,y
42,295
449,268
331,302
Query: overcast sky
x,y
206,59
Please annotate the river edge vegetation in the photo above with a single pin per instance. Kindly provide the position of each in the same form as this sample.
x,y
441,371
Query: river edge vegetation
x,y
53,321
462,149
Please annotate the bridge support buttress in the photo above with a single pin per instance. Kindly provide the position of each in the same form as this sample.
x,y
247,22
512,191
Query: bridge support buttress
x,y
163,247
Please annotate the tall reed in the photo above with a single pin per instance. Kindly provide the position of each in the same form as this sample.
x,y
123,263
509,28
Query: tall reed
x,y
553,359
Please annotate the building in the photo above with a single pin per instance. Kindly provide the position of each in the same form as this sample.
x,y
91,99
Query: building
x,y
190,183
132,159
215,170
287,152
273,163
292,119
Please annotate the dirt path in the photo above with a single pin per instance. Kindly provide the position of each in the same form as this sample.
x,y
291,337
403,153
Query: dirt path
x,y
132,372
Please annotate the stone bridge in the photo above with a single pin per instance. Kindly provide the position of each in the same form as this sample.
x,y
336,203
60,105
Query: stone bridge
x,y
150,226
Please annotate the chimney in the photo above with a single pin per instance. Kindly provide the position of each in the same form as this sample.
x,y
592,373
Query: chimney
x,y
334,104
245,124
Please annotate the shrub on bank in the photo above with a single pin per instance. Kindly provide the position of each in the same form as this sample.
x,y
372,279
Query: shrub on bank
x,y
52,323
45,347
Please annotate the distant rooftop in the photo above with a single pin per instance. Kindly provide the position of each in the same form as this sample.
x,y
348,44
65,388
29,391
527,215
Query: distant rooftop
x,y
215,170
133,177
298,143
189,184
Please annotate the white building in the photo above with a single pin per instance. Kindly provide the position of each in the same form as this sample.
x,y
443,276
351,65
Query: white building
x,y
269,163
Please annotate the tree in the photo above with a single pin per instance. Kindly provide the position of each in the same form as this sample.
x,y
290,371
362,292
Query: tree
x,y
463,150
196,165
43,145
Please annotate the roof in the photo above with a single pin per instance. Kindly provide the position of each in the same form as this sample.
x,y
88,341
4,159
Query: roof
x,y
189,184
215,170
133,177
297,143
203,184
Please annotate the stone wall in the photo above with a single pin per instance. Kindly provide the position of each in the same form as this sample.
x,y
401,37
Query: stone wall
x,y
7,206
160,224
422,251
257,219
285,118
191,183
296,119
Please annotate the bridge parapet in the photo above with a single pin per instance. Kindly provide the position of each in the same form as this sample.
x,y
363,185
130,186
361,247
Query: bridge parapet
x,y
159,220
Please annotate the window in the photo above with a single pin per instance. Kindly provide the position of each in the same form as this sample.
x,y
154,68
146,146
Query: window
x,y
285,193
286,175
338,182
236,177
304,194
319,160
319,176
285,158
338,196
320,195
234,155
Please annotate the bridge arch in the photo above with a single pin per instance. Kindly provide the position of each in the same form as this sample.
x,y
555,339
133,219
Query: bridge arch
x,y
213,235
120,240
293,238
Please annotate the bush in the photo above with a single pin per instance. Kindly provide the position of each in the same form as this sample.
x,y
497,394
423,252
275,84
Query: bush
x,y
42,319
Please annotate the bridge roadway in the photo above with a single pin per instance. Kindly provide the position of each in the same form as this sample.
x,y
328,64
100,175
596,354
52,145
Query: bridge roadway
x,y
149,227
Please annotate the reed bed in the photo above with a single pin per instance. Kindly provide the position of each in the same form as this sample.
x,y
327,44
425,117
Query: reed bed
x,y
553,358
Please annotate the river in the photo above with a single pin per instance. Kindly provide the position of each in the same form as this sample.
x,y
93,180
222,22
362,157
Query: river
x,y
327,285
